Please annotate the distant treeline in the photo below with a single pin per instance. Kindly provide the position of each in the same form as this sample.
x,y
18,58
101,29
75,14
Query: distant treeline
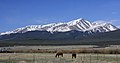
x,y
59,42
82,50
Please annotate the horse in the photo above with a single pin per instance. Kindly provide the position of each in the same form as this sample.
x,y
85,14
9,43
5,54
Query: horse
x,y
59,54
73,55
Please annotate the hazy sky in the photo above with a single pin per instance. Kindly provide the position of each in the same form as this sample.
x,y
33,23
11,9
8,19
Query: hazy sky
x,y
19,13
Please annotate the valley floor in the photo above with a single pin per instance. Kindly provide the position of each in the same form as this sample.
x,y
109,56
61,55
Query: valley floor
x,y
46,54
50,58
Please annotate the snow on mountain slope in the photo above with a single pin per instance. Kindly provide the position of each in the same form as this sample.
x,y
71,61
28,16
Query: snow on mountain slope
x,y
104,27
79,25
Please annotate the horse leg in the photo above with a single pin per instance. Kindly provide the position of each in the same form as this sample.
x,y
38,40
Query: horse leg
x,y
73,57
56,55
62,55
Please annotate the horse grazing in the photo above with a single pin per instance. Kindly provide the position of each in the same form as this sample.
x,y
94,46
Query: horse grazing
x,y
73,55
59,54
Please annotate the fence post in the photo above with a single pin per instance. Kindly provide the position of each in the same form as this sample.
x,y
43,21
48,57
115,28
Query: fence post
x,y
90,58
116,55
9,58
34,58
83,58
116,59
104,57
97,58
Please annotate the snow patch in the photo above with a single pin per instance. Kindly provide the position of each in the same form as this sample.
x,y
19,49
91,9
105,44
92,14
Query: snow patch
x,y
78,24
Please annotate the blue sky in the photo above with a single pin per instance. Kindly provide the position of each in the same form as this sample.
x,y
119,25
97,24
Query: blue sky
x,y
19,13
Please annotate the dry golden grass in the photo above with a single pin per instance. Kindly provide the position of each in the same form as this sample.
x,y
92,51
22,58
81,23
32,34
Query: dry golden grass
x,y
50,58
79,50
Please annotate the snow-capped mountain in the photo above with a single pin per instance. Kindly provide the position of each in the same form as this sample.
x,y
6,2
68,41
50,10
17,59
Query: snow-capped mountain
x,y
78,25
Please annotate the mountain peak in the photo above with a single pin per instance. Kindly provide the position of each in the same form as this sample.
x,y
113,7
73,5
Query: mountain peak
x,y
79,19
78,25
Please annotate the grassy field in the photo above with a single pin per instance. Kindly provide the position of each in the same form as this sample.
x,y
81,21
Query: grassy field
x,y
50,58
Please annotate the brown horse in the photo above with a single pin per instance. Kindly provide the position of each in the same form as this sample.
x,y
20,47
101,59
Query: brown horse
x,y
59,54
73,55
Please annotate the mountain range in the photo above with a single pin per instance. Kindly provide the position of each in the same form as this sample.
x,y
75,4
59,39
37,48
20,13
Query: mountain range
x,y
79,31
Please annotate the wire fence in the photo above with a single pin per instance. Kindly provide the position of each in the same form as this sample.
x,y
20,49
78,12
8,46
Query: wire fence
x,y
50,58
